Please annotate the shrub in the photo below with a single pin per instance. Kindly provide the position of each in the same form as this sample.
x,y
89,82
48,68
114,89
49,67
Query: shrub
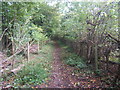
x,y
74,60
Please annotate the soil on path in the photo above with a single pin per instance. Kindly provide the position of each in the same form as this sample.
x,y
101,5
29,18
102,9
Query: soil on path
x,y
64,77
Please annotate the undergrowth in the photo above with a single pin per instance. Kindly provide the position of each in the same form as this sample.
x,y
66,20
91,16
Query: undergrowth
x,y
74,60
70,58
37,70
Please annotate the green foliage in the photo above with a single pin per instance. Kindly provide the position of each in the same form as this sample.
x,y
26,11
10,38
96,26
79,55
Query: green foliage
x,y
26,21
46,17
71,58
31,75
98,72
73,17
74,60
113,56
37,70
37,33
20,36
19,17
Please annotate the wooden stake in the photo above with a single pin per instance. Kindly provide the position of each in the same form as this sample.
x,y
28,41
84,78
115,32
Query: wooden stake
x,y
13,52
28,53
38,47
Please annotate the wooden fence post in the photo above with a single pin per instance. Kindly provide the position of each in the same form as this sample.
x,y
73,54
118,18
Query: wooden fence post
x,y
28,52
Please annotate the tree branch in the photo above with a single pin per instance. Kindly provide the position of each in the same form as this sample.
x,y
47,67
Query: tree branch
x,y
5,30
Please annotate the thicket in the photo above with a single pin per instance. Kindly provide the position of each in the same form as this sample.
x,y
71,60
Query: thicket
x,y
25,24
92,30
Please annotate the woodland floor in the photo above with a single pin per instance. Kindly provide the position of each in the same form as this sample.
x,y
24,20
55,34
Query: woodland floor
x,y
63,76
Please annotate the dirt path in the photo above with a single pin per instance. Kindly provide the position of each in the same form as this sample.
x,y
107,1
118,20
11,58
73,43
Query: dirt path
x,y
58,76
63,76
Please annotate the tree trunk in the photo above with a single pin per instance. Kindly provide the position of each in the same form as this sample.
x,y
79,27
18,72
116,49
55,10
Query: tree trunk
x,y
107,63
96,49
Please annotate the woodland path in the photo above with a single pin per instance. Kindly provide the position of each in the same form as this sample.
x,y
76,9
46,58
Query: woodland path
x,y
63,76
